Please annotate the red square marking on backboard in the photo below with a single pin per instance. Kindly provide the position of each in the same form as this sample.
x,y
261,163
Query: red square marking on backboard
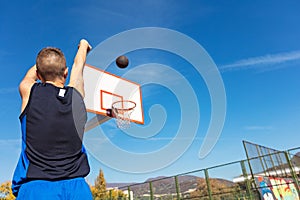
x,y
102,100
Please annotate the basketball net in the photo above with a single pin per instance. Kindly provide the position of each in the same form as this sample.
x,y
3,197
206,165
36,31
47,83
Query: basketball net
x,y
122,110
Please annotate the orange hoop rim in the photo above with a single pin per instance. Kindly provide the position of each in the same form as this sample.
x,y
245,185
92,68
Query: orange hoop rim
x,y
124,109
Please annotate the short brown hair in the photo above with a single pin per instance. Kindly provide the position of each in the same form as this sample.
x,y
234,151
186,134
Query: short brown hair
x,y
50,63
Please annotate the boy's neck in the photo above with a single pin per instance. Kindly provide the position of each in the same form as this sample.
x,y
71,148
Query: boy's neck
x,y
57,83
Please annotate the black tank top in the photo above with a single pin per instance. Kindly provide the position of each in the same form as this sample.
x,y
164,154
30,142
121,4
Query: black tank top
x,y
54,125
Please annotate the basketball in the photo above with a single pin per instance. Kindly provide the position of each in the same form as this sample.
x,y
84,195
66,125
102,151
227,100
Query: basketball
x,y
122,61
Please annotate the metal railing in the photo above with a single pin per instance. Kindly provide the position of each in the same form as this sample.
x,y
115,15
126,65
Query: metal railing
x,y
274,174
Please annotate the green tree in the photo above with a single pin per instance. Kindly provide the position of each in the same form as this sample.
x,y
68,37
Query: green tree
x,y
5,191
117,194
99,189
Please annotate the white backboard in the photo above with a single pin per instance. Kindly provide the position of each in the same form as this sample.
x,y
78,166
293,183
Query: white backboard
x,y
103,88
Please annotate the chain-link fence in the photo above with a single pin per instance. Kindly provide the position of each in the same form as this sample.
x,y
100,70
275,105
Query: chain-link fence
x,y
269,175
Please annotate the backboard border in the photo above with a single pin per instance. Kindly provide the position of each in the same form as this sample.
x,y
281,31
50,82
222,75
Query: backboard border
x,y
140,91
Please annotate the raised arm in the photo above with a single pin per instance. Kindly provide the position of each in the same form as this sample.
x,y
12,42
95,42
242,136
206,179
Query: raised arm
x,y
76,78
26,85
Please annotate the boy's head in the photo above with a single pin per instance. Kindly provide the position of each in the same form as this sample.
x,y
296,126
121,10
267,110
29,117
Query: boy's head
x,y
51,64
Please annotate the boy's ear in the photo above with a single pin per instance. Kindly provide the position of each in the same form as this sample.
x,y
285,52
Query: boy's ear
x,y
66,72
37,75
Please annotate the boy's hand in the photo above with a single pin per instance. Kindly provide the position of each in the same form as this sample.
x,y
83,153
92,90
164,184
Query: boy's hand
x,y
83,43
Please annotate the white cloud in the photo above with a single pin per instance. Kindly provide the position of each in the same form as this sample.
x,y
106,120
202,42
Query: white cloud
x,y
153,74
10,150
263,62
8,90
4,54
258,128
10,142
172,138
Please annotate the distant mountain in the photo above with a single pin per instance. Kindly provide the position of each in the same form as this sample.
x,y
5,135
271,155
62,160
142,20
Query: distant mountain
x,y
156,178
118,185
166,185
296,159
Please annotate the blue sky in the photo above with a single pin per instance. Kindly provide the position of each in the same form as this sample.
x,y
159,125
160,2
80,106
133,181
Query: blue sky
x,y
254,44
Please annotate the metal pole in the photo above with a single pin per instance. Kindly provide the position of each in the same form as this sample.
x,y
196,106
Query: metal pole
x,y
294,175
273,163
177,188
151,191
208,184
250,167
248,184
260,159
280,164
110,194
129,197
263,156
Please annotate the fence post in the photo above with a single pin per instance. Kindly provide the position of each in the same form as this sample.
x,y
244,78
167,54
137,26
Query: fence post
x,y
129,197
151,191
260,157
250,167
294,175
177,188
248,183
110,194
208,184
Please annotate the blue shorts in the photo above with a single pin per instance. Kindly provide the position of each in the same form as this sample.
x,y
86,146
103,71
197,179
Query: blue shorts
x,y
73,189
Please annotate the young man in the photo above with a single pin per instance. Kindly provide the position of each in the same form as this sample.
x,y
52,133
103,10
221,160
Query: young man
x,y
53,161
